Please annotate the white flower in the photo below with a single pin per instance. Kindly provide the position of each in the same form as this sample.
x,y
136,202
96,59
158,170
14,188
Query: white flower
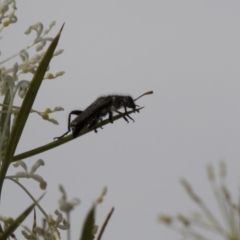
x,y
188,226
30,174
11,77
23,88
57,223
7,11
64,205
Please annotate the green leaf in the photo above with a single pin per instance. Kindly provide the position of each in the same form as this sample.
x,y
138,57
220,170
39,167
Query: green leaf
x,y
30,97
10,230
26,107
59,142
3,119
87,232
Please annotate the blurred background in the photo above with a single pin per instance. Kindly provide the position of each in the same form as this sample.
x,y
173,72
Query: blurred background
x,y
188,53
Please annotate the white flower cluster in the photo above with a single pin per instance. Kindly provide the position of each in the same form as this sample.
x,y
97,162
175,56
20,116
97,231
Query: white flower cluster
x,y
9,77
16,79
47,231
7,13
29,174
64,205
195,225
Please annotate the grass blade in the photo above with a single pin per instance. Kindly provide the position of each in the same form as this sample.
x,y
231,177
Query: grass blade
x,y
10,230
3,119
59,142
26,107
87,232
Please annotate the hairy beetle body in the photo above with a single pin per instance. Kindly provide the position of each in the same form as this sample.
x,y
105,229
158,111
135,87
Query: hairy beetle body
x,y
99,109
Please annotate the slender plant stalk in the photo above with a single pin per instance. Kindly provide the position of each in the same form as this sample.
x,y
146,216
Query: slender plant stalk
x,y
26,108
59,142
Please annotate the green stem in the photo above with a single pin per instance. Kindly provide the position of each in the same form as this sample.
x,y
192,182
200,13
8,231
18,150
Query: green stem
x,y
59,142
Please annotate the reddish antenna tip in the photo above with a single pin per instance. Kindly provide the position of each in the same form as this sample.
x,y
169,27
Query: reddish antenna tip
x,y
146,93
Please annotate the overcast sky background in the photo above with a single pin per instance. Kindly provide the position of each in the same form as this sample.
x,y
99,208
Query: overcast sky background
x,y
188,53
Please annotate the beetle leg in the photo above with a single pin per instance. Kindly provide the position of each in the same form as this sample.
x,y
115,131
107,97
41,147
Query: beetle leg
x,y
127,113
75,112
123,116
110,116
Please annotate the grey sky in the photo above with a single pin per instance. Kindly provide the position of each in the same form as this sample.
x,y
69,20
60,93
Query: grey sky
x,y
187,52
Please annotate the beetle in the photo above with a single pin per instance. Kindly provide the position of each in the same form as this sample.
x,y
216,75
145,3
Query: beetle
x,y
97,110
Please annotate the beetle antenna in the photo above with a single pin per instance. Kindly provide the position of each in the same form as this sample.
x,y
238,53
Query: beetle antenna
x,y
146,93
